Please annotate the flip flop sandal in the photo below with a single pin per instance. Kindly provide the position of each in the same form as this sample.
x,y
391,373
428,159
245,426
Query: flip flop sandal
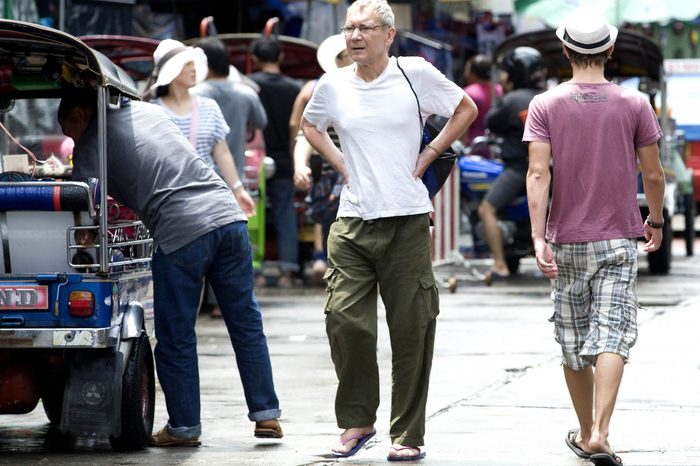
x,y
361,440
418,456
571,443
606,459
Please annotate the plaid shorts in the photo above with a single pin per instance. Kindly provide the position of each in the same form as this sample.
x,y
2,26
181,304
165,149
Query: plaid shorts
x,y
595,299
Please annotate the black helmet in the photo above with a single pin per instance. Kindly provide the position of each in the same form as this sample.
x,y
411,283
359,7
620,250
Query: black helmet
x,y
525,67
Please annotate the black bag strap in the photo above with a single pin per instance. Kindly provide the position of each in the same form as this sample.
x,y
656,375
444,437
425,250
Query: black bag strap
x,y
420,114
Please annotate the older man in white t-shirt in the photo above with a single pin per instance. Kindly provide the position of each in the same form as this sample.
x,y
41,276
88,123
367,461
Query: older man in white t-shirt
x,y
381,236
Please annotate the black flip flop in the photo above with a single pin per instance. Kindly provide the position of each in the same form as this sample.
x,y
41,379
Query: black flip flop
x,y
606,459
418,456
571,443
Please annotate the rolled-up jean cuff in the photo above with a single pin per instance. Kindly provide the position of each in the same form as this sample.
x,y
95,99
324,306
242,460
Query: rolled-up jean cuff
x,y
185,432
266,415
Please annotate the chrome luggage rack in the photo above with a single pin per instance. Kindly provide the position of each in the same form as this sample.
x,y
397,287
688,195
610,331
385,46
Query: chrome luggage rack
x,y
129,244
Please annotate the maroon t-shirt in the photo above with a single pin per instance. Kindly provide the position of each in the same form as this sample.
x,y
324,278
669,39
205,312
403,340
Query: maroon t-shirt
x,y
594,131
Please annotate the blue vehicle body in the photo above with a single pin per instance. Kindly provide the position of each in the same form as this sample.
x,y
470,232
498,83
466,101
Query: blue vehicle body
x,y
29,309
76,295
477,174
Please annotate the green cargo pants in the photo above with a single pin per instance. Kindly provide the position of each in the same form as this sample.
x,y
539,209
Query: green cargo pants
x,y
394,253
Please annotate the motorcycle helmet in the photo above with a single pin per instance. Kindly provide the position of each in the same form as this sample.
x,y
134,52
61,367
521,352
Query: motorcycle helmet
x,y
525,67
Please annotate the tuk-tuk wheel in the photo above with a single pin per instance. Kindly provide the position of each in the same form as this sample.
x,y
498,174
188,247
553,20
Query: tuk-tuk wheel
x,y
138,398
52,400
52,382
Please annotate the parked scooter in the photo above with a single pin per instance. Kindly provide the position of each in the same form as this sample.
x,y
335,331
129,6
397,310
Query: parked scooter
x,y
477,174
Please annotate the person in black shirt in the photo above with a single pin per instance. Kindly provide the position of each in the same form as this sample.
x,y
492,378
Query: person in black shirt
x,y
277,93
506,119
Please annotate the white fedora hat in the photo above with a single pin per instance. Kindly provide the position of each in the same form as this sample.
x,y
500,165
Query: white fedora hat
x,y
586,31
328,50
171,56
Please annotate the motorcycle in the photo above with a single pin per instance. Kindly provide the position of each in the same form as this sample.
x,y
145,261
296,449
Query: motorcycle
x,y
477,174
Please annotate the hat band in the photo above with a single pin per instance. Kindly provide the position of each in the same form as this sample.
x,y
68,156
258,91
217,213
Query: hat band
x,y
567,38
167,57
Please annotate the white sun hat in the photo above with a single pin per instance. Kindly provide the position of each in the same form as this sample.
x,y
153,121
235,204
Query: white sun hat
x,y
328,50
171,56
587,31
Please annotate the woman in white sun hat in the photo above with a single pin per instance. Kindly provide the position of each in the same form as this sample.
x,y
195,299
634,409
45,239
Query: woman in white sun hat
x,y
179,68
311,172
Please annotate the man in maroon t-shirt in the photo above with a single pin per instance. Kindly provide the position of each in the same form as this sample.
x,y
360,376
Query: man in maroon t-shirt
x,y
594,132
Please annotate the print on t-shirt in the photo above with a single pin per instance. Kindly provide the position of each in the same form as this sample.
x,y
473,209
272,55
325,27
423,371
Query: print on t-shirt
x,y
588,97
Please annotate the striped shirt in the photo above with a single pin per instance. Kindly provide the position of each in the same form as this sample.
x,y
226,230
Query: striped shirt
x,y
211,126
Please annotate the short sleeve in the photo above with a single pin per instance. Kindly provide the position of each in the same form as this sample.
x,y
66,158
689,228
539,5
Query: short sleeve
x,y
536,127
438,95
648,130
316,111
219,127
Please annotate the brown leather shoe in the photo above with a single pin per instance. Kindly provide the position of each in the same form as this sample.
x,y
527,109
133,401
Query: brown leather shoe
x,y
163,438
268,429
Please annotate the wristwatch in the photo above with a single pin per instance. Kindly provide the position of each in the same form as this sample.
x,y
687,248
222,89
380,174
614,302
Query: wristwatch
x,y
653,224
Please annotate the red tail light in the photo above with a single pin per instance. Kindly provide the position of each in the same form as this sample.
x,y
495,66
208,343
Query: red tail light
x,y
81,304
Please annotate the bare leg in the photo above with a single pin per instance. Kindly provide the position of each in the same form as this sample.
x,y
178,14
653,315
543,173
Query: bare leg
x,y
600,387
319,265
494,237
608,375
580,385
318,237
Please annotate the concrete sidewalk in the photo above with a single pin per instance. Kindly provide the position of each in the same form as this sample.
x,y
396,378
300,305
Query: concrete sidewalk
x,y
524,422
497,394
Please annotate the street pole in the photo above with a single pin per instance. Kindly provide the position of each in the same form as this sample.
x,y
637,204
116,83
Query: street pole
x,y
62,15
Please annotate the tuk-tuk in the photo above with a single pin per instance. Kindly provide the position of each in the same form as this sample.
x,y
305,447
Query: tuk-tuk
x,y
76,306
635,56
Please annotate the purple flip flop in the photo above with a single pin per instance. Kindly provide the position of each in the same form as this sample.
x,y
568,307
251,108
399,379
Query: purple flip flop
x,y
361,440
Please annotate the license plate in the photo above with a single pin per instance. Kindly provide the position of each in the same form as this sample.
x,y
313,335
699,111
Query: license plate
x,y
18,297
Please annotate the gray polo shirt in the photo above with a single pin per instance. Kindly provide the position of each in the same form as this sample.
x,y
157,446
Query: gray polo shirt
x,y
241,107
153,169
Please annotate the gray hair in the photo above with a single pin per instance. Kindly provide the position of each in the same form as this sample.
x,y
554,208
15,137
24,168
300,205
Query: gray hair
x,y
381,7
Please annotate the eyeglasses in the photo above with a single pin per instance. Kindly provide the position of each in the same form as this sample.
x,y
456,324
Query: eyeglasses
x,y
347,30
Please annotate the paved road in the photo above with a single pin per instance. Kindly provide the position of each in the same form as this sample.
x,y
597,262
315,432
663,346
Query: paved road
x,y
497,392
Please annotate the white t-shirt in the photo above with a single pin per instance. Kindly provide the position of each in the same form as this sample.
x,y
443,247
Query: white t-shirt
x,y
379,131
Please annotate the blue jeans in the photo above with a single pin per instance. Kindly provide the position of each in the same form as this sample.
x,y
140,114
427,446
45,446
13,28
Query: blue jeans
x,y
280,192
224,257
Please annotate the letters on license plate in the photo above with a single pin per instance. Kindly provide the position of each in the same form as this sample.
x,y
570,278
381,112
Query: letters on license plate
x,y
17,297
